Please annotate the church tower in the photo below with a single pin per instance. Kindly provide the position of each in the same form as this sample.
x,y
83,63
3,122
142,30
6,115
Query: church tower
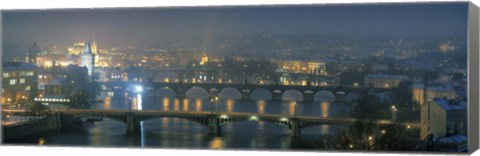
x,y
88,60
32,54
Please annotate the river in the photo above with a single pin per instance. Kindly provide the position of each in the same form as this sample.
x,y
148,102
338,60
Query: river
x,y
180,133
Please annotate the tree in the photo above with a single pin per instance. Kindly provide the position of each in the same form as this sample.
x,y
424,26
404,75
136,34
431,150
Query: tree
x,y
369,136
369,106
38,109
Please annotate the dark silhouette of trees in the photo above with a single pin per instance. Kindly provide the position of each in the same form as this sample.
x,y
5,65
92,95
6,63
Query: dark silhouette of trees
x,y
37,109
369,136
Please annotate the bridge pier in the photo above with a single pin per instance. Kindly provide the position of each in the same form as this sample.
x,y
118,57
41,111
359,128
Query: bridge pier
x,y
131,124
277,96
307,97
295,129
180,93
214,127
246,95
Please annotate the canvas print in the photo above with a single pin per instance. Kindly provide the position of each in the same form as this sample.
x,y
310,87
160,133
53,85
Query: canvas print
x,y
356,77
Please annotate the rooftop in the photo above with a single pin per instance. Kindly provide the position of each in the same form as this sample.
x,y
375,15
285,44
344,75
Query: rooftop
x,y
18,66
433,88
387,76
451,104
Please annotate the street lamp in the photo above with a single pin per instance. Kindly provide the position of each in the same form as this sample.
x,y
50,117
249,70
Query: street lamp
x,y
213,101
394,113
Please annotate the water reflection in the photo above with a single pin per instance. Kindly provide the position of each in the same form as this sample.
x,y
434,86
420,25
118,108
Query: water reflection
x,y
261,106
291,107
185,104
166,101
216,143
229,105
108,101
325,108
139,102
176,104
198,105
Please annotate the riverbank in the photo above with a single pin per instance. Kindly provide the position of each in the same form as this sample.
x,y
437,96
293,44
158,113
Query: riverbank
x,y
31,127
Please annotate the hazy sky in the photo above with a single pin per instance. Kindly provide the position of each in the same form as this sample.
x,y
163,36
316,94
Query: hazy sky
x,y
145,27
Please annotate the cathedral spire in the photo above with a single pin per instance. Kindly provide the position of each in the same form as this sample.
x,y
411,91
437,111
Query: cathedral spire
x,y
32,53
88,49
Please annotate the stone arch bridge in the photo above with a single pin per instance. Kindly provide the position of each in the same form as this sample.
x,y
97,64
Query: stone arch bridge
x,y
277,91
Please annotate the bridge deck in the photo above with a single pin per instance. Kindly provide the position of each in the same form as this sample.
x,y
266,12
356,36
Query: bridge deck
x,y
159,113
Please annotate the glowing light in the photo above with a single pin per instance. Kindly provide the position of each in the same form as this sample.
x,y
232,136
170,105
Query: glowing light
x,y
254,118
138,89
139,102
224,116
229,105
283,119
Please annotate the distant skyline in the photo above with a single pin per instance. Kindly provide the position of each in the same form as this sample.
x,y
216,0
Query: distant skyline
x,y
148,26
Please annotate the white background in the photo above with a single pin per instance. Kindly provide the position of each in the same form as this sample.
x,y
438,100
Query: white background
x,y
70,151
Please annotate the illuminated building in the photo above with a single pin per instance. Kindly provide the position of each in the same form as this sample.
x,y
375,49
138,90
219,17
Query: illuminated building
x,y
383,80
19,82
77,48
432,93
88,60
62,81
442,117
302,67
204,59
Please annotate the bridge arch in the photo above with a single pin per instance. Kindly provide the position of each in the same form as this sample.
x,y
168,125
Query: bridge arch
x,y
197,92
165,91
292,95
353,96
324,95
261,94
230,93
387,97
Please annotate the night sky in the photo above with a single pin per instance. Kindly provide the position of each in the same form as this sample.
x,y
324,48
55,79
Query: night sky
x,y
147,26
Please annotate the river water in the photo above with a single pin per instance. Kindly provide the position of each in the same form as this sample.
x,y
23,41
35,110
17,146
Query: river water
x,y
180,133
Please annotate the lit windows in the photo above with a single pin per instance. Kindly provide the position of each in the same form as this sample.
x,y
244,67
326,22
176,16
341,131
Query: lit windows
x,y
27,88
13,81
6,75
29,73
22,80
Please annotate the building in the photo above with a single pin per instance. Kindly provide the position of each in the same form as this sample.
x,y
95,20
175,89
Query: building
x,y
88,61
77,48
73,76
19,82
432,93
443,117
204,59
302,67
451,143
58,88
383,80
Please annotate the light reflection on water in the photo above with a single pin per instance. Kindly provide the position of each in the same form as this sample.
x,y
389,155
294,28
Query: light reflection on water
x,y
182,133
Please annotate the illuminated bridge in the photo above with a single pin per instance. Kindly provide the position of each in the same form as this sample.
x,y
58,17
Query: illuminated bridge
x,y
213,121
276,92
